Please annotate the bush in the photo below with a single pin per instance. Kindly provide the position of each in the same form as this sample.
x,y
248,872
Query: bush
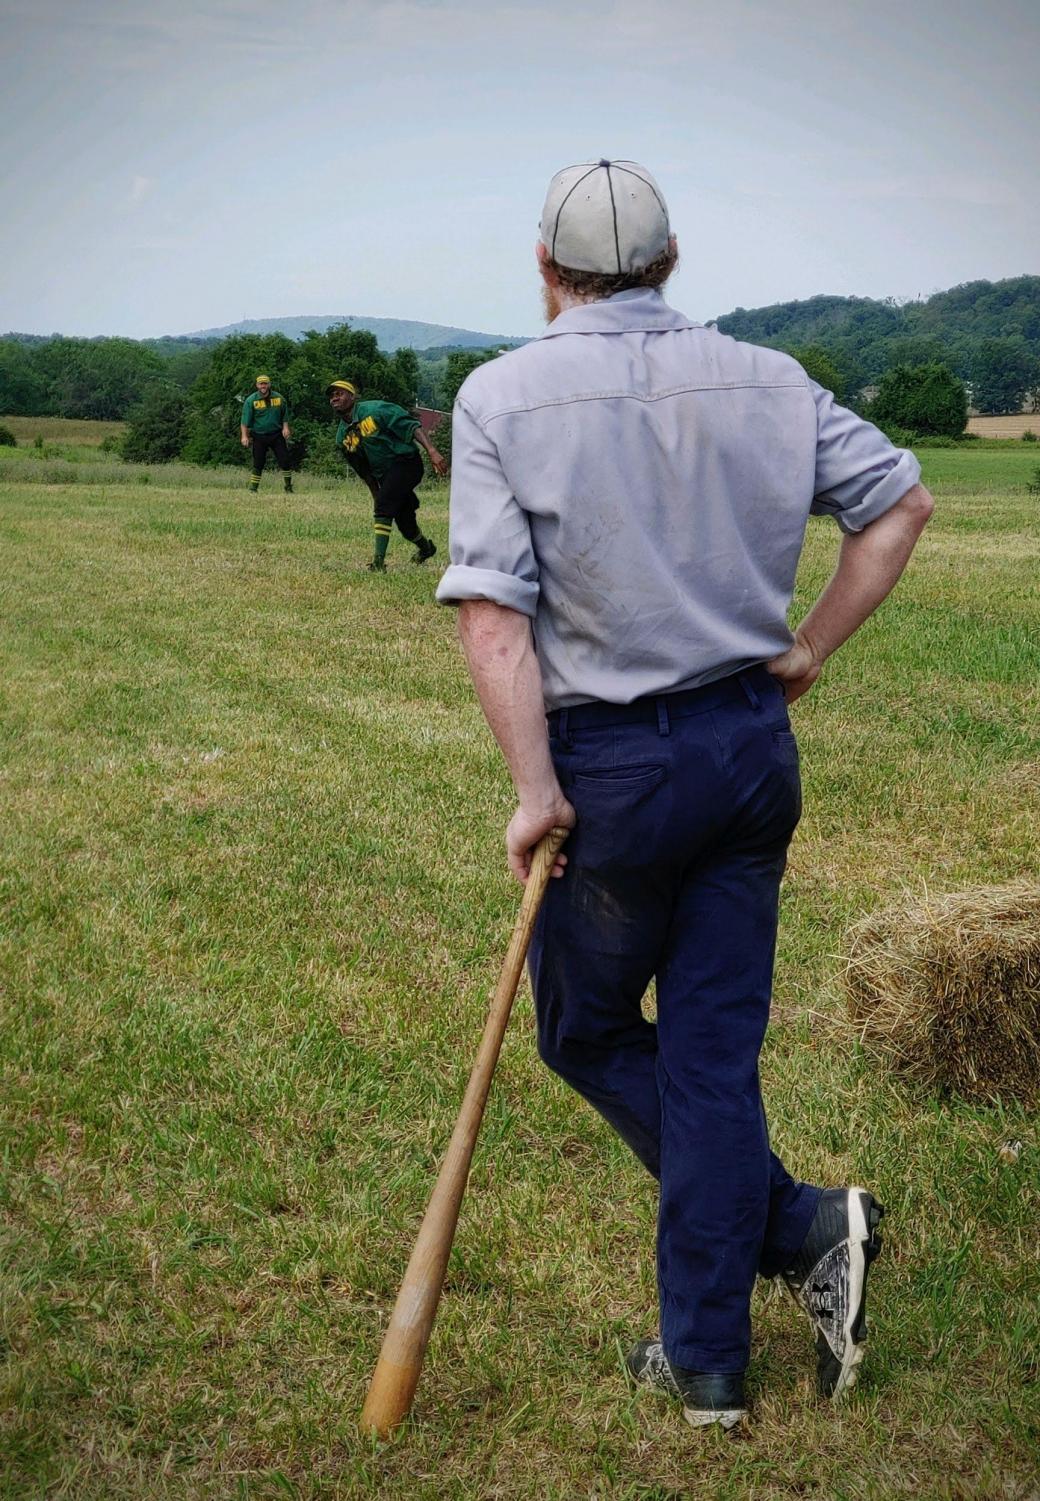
x,y
1029,436
7,438
925,399
312,449
209,443
155,428
441,438
902,437
113,443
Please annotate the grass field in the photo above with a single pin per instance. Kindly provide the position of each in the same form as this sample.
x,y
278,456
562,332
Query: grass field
x,y
253,903
62,430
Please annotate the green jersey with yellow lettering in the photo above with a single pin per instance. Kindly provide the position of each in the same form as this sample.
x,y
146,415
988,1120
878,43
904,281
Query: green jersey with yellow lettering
x,y
382,431
265,414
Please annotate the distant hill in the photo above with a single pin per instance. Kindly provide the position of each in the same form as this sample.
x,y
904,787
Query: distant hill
x,y
391,333
867,336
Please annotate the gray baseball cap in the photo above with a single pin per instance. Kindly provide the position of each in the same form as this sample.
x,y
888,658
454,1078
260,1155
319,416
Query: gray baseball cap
x,y
603,216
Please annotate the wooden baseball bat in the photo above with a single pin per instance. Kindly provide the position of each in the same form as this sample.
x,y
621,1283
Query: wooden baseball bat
x,y
396,1375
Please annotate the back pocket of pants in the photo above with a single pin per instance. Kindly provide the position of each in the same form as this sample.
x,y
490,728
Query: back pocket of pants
x,y
786,747
619,779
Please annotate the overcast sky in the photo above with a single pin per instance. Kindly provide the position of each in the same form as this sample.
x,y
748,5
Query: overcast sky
x,y
173,167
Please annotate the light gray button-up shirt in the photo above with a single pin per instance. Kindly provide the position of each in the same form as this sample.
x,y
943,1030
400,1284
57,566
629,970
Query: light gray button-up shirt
x,y
640,486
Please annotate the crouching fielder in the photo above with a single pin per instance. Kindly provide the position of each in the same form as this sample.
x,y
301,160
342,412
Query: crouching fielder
x,y
381,442
629,499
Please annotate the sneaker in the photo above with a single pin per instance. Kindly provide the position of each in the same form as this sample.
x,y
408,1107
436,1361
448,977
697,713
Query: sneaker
x,y
706,1399
828,1279
377,566
424,549
288,487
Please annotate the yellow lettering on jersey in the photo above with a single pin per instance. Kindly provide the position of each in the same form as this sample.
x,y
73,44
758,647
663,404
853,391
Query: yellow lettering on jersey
x,y
259,406
367,427
276,401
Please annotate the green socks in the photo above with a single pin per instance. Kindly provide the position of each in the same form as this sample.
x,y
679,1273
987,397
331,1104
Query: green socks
x,y
382,540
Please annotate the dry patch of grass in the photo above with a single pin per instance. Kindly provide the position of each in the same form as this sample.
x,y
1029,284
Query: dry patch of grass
x,y
1012,426
62,429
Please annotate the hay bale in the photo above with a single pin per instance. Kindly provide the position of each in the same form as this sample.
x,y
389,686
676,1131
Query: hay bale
x,y
947,989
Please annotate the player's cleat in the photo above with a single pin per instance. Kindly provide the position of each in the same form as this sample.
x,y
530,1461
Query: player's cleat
x,y
377,566
706,1399
828,1279
424,549
288,484
254,485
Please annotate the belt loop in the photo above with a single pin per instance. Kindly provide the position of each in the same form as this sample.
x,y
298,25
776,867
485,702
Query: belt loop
x,y
562,724
663,727
752,697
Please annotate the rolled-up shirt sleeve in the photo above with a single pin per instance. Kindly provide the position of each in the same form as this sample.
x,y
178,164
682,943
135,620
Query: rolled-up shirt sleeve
x,y
489,535
859,474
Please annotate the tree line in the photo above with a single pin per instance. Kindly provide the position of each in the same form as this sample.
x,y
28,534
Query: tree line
x,y
182,397
201,426
985,333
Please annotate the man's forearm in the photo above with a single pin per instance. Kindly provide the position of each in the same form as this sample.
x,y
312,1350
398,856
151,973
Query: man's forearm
x,y
504,668
869,566
422,441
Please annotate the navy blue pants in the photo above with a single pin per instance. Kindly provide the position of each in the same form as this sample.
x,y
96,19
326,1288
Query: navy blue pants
x,y
686,805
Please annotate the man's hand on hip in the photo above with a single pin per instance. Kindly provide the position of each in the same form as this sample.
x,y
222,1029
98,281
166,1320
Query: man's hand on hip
x,y
527,826
797,669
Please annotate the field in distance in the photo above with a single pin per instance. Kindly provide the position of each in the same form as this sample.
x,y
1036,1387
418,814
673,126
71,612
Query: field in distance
x,y
1005,427
254,902
62,429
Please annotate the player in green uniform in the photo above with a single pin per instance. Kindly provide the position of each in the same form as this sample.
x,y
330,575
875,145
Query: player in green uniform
x,y
379,441
265,425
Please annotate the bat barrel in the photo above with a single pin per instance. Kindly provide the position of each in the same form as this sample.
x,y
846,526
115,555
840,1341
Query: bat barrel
x,y
400,1361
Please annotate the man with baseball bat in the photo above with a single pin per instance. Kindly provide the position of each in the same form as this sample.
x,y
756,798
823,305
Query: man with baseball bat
x,y
629,501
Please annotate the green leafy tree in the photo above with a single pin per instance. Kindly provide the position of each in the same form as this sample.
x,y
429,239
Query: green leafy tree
x,y
925,399
217,394
156,427
22,387
459,365
1002,371
820,367
96,378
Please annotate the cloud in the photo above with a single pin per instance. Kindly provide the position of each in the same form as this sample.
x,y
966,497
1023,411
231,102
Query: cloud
x,y
140,187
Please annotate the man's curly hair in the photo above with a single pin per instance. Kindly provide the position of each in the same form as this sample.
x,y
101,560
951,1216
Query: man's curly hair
x,y
594,286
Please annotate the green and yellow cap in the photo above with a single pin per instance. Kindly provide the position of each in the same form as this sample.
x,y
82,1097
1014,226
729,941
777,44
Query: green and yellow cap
x,y
263,380
341,385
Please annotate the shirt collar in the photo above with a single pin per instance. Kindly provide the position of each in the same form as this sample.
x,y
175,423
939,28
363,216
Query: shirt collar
x,y
641,310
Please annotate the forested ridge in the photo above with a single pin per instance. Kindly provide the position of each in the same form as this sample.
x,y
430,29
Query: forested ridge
x,y
986,333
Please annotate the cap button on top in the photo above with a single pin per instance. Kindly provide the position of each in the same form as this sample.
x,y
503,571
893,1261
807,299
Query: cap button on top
x,y
603,162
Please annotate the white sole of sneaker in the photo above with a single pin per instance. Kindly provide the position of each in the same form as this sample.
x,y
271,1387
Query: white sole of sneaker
x,y
859,1234
727,1417
864,1214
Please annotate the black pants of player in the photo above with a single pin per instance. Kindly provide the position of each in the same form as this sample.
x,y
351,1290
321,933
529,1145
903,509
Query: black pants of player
x,y
397,500
262,443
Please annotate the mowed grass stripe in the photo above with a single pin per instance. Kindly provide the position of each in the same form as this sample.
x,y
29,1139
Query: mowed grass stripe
x,y
253,903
